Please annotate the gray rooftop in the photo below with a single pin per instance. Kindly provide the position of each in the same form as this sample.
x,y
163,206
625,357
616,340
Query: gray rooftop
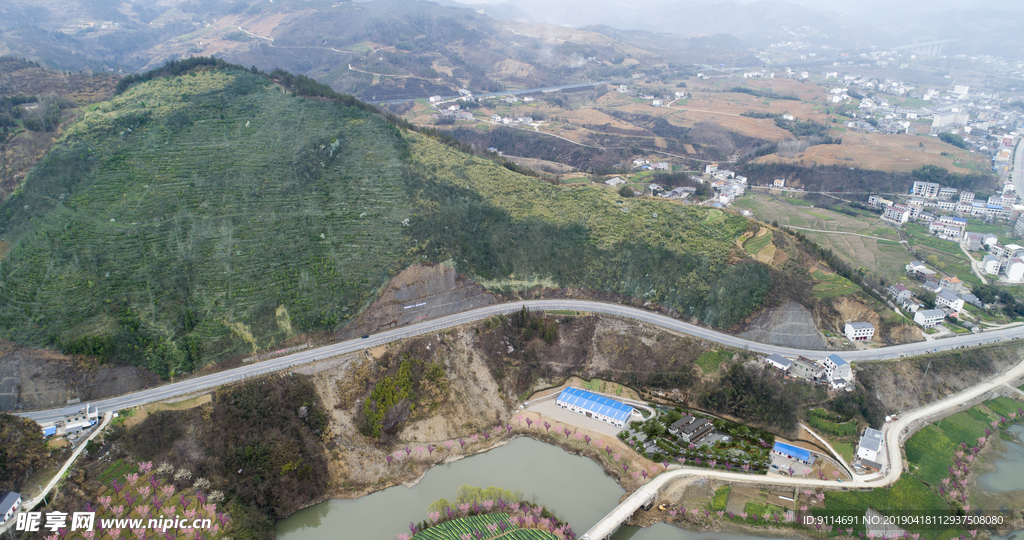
x,y
932,313
860,325
837,360
780,360
9,501
948,295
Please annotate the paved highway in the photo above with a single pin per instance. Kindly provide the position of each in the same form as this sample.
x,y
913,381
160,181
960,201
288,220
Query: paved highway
x,y
207,382
893,440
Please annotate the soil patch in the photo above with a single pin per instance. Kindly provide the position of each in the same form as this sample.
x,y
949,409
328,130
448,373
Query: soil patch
x,y
423,291
33,378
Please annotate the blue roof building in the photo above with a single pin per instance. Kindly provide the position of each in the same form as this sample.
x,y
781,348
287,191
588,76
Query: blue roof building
x,y
594,406
793,452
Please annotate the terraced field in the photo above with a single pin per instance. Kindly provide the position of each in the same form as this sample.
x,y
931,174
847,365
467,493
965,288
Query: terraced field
x,y
830,285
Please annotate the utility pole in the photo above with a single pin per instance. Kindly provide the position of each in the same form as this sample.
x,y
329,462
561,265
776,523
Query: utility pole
x,y
926,369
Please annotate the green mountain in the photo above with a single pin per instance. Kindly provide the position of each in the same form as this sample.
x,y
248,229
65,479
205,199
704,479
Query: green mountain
x,y
202,215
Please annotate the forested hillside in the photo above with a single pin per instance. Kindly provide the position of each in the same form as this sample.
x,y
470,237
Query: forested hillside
x,y
206,212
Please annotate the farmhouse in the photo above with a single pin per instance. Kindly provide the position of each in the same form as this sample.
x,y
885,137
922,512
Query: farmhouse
x,y
899,292
859,331
805,369
949,299
836,367
9,505
870,444
778,361
78,417
595,406
928,318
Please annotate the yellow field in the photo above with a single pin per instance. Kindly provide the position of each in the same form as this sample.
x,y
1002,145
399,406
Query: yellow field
x,y
902,153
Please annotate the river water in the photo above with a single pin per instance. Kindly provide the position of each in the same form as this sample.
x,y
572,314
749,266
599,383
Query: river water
x,y
575,488
1009,473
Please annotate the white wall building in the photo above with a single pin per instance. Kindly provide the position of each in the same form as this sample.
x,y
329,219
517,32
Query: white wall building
x,y
928,318
859,331
837,368
870,444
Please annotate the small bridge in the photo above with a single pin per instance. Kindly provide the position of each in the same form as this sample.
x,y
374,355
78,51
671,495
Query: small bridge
x,y
641,498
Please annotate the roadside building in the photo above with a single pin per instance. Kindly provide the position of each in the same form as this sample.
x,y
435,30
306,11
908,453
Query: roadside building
x,y
778,361
859,331
79,417
793,452
805,369
837,368
929,318
9,505
870,444
595,406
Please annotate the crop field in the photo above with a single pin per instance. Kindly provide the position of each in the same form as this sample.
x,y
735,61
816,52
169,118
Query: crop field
x,y
529,534
1003,406
908,495
452,530
830,285
756,244
898,153
885,258
116,470
710,361
183,226
949,256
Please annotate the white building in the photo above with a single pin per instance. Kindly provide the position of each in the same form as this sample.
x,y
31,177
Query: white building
x,y
926,189
837,368
778,361
990,264
897,214
859,331
870,444
949,299
928,318
9,505
899,292
78,417
1015,270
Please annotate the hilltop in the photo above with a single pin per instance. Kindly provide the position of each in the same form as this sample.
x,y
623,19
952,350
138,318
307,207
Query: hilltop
x,y
205,212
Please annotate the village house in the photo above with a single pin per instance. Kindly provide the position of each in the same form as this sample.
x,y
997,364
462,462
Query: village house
x,y
950,300
899,292
929,318
778,361
859,331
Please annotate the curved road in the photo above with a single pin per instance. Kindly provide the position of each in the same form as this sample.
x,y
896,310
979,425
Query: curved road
x,y
214,380
893,441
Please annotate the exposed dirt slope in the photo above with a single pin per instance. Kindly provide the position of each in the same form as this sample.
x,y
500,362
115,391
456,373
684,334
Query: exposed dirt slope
x,y
432,291
39,378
